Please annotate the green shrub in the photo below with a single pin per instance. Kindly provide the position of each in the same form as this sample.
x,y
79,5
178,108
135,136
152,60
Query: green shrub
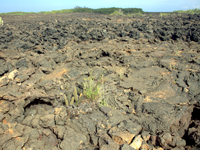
x,y
117,12
106,10
91,89
189,11
132,10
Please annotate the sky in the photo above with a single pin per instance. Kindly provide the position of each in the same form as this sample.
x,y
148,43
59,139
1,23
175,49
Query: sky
x,y
49,5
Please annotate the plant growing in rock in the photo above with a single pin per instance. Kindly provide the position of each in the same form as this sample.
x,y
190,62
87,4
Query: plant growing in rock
x,y
103,102
94,89
75,99
1,21
91,88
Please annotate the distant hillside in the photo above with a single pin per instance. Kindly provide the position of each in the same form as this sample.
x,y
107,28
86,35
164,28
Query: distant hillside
x,y
108,11
83,9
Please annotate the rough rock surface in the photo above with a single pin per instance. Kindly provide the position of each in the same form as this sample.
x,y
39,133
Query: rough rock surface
x,y
148,69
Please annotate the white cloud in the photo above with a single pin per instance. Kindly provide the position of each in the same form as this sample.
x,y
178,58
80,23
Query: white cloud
x,y
197,6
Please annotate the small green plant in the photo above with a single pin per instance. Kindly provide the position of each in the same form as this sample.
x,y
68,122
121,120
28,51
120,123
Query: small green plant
x,y
94,88
103,102
91,88
1,21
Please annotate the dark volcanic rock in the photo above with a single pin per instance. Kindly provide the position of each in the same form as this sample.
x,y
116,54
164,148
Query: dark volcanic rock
x,y
89,81
72,140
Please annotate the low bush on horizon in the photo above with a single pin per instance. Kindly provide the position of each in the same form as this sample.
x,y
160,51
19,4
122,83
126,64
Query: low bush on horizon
x,y
82,9
112,11
189,11
18,13
117,12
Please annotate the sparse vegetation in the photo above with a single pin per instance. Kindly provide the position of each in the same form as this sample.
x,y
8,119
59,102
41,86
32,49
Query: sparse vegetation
x,y
136,12
83,9
121,12
18,13
103,102
189,11
93,89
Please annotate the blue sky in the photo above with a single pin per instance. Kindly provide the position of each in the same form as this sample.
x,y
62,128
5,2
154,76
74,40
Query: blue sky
x,y
48,5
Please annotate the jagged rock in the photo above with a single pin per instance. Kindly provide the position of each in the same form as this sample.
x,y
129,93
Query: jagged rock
x,y
120,136
47,120
4,81
72,140
137,142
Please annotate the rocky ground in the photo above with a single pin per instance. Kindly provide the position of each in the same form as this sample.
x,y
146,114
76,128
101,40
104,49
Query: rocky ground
x,y
146,70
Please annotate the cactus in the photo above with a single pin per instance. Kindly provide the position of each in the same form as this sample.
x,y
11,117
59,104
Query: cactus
x,y
75,94
68,96
66,101
72,101
79,100
74,98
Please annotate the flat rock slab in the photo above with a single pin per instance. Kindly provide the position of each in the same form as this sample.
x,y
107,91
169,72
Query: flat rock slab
x,y
72,140
144,80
